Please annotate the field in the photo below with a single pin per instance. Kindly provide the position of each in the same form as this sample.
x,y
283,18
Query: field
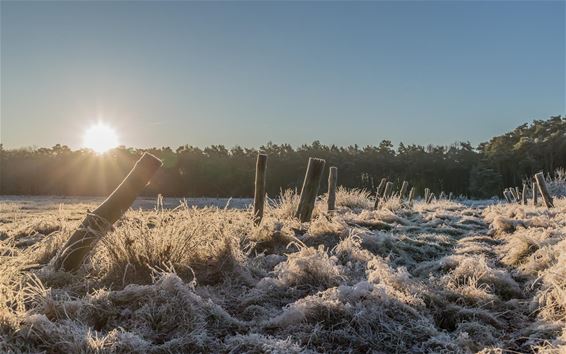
x,y
444,277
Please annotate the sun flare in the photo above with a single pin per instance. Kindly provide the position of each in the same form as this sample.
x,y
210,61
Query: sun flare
x,y
100,138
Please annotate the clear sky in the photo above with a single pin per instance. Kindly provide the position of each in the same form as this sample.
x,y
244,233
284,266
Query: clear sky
x,y
175,73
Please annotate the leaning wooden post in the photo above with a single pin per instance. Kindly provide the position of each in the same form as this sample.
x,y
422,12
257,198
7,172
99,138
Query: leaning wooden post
x,y
411,195
430,197
546,198
403,190
379,193
534,187
99,222
388,190
259,194
310,189
524,194
332,180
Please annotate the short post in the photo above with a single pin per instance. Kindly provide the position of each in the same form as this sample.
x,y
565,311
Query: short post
x,y
426,194
518,195
524,194
379,193
259,194
534,187
99,222
450,196
411,195
430,197
442,195
310,189
332,181
403,190
546,198
388,190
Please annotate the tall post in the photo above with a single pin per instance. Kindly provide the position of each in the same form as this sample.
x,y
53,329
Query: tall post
x,y
259,194
403,190
379,193
524,194
332,181
546,198
310,189
388,190
99,222
411,195
534,187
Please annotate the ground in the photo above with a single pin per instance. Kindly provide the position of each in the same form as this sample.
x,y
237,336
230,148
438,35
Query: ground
x,y
424,278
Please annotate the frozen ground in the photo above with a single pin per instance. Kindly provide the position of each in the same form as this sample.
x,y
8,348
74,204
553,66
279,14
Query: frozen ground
x,y
445,277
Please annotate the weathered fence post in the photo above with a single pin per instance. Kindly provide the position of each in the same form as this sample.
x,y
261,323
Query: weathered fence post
x,y
518,195
513,194
403,190
310,189
332,180
546,198
430,197
450,196
379,193
388,190
534,187
97,223
411,195
259,194
507,195
426,194
524,194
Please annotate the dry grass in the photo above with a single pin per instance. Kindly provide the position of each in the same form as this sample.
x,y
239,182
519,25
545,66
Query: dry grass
x,y
439,277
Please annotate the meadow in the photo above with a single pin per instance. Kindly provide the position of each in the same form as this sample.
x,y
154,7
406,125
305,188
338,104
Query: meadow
x,y
444,277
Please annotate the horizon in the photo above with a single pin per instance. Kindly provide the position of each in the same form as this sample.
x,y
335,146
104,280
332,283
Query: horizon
x,y
244,74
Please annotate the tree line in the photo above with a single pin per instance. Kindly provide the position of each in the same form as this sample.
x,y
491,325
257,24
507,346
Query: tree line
x,y
217,171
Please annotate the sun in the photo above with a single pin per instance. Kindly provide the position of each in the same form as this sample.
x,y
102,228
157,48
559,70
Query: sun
x,y
100,137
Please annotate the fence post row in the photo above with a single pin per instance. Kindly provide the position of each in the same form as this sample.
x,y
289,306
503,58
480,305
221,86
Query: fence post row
x,y
99,222
310,189
259,191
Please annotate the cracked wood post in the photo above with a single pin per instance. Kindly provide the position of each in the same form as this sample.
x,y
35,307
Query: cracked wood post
x,y
403,190
379,193
534,187
259,194
332,181
411,195
513,194
310,189
388,190
524,195
100,221
546,198
430,197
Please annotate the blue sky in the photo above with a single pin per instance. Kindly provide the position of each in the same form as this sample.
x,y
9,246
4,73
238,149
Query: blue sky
x,y
198,73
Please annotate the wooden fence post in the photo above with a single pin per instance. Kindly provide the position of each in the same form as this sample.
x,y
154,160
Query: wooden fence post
x,y
379,193
534,187
513,194
411,195
99,222
388,190
507,195
450,196
310,189
546,198
332,181
518,193
426,194
430,197
403,190
524,194
259,194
